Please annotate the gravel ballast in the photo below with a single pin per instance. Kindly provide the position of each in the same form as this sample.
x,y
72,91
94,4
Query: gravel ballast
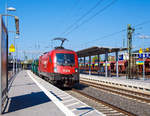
x,y
130,105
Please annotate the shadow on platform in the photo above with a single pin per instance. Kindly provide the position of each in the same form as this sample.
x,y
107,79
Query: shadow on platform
x,y
89,109
26,101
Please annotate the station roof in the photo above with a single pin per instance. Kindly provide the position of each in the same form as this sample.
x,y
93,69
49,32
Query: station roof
x,y
95,50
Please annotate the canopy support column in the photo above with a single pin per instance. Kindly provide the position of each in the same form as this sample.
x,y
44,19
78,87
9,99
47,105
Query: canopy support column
x,y
98,64
117,73
89,65
106,60
84,63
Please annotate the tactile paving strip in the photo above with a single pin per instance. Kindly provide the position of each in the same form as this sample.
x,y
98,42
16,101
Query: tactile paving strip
x,y
73,104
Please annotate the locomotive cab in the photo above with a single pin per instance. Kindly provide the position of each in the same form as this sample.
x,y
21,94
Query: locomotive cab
x,y
60,66
66,68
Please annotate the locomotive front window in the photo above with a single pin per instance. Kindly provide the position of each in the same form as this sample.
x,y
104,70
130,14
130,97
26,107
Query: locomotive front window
x,y
65,59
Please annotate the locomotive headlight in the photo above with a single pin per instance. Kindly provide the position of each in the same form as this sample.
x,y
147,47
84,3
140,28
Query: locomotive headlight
x,y
76,70
55,69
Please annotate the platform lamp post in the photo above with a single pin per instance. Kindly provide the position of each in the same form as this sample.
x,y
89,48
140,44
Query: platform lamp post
x,y
17,30
11,9
6,12
17,37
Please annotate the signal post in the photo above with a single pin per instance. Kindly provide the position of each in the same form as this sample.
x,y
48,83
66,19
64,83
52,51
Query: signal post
x,y
130,30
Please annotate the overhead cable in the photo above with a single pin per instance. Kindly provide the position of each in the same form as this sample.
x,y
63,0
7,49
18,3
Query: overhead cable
x,y
83,16
90,18
123,30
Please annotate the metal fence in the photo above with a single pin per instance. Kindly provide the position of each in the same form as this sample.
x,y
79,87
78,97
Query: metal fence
x,y
3,64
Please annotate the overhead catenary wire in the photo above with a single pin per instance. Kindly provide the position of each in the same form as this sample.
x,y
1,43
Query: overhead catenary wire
x,y
75,5
143,23
118,32
90,18
83,16
106,36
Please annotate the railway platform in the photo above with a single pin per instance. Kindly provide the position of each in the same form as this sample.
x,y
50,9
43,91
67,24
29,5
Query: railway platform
x,y
30,95
121,82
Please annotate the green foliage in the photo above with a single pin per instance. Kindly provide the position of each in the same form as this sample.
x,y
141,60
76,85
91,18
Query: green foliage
x,y
95,59
111,58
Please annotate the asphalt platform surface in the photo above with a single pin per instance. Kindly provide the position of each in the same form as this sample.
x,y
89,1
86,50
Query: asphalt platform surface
x,y
27,99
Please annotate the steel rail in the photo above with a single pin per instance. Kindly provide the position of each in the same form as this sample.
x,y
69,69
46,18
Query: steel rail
x,y
105,103
129,93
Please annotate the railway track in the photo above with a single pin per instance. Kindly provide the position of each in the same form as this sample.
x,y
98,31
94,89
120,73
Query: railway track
x,y
140,97
106,108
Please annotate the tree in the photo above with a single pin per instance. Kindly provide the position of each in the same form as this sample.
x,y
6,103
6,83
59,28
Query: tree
x,y
111,58
95,59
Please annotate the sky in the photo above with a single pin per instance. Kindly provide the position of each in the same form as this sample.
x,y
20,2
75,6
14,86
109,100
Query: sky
x,y
43,20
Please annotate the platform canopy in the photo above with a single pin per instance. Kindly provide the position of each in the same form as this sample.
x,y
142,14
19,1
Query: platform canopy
x,y
95,50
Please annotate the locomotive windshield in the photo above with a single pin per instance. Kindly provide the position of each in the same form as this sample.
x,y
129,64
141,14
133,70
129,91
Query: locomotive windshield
x,y
65,59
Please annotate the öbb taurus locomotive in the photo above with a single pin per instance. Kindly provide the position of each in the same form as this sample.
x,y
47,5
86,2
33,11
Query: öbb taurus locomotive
x,y
60,67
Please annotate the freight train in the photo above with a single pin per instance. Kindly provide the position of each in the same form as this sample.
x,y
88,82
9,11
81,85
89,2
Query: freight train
x,y
59,67
34,66
122,66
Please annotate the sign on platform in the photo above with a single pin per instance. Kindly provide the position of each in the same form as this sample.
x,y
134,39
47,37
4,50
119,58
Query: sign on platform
x,y
139,62
140,51
12,48
108,64
147,49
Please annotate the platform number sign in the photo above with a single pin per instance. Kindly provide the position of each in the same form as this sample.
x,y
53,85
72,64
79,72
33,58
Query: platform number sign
x,y
12,48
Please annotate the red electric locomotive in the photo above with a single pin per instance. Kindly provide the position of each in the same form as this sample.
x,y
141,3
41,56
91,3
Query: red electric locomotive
x,y
60,67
